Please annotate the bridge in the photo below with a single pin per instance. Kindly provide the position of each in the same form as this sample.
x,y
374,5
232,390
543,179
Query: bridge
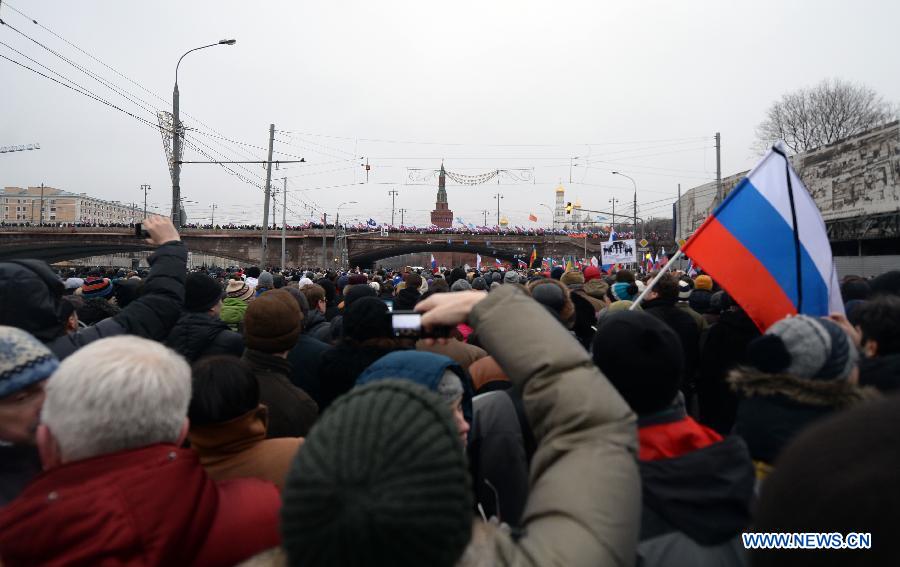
x,y
303,247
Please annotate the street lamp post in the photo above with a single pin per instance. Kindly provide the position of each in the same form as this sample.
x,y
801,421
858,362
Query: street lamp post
x,y
498,196
633,182
176,137
553,218
337,222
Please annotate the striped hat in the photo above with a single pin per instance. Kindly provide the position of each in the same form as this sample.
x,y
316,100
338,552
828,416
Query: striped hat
x,y
24,360
96,287
237,289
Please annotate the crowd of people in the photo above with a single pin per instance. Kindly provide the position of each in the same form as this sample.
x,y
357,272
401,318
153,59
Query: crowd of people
x,y
592,232
296,417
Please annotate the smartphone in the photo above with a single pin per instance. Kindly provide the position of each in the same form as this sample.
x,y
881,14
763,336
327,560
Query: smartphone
x,y
140,232
408,324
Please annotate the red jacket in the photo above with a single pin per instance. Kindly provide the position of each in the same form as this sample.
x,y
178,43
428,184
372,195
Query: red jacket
x,y
149,506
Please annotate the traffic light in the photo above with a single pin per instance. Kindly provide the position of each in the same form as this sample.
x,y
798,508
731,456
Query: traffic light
x,y
569,208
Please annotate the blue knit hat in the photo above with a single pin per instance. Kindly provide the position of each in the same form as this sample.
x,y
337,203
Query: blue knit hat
x,y
24,360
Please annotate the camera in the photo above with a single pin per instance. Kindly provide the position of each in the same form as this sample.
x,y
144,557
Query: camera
x,y
140,232
408,325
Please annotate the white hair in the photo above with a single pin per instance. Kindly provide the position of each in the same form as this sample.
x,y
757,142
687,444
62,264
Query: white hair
x,y
117,394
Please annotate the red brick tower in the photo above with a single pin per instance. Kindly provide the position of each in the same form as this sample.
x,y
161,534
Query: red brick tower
x,y
442,216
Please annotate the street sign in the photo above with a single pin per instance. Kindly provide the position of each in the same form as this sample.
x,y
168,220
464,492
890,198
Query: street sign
x,y
643,242
644,248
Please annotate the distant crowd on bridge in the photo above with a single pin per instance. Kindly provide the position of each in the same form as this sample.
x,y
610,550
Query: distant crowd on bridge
x,y
593,233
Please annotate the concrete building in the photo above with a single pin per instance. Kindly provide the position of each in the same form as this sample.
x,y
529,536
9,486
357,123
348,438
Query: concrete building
x,y
36,205
852,178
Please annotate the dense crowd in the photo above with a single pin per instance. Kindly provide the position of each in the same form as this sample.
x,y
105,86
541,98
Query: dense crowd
x,y
592,232
293,417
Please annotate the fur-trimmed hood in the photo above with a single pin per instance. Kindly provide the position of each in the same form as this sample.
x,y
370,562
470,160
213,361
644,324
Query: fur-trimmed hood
x,y
838,394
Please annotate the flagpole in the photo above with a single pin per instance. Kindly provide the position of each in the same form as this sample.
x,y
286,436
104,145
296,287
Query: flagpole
x,y
655,280
787,174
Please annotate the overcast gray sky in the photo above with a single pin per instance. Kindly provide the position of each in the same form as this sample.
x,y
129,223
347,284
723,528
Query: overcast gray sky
x,y
640,87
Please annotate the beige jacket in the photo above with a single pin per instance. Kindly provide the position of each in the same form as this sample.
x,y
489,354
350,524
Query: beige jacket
x,y
585,501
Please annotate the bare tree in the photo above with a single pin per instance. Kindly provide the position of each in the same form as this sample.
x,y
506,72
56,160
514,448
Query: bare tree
x,y
830,111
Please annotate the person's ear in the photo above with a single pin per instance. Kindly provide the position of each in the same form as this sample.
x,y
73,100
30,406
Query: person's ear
x,y
870,348
48,448
185,428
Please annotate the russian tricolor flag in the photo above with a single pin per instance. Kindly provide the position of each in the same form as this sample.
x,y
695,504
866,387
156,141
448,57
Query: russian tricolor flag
x,y
433,263
766,244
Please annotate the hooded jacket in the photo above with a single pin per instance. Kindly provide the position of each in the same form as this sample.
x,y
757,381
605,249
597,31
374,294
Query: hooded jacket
x,y
149,506
774,408
197,335
696,502
291,411
239,449
30,296
317,327
233,310
424,368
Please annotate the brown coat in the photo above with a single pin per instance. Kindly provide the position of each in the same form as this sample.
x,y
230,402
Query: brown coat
x,y
486,370
462,353
239,449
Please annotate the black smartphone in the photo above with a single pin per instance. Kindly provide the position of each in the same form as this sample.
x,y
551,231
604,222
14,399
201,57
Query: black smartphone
x,y
140,232
408,324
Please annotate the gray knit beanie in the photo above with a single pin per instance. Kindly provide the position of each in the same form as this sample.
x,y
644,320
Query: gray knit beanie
x,y
460,285
805,347
380,480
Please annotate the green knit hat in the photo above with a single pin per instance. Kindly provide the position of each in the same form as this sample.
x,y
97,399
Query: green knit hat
x,y
380,480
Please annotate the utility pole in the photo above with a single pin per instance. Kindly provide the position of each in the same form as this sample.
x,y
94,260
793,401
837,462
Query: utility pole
x,y
324,251
212,218
265,227
42,206
284,225
145,188
719,195
393,193
498,196
485,213
678,213
402,212
613,201
274,222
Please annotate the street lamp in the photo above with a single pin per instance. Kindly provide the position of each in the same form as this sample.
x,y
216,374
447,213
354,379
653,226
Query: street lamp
x,y
176,136
498,196
633,182
553,218
337,222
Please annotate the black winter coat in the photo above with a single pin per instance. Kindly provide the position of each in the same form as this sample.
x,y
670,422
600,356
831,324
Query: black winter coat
x,y
197,335
882,372
686,329
724,350
317,327
696,505
27,303
291,411
774,408
306,363
342,365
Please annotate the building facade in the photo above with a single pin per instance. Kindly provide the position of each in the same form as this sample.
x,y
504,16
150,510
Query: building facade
x,y
852,178
45,205
442,216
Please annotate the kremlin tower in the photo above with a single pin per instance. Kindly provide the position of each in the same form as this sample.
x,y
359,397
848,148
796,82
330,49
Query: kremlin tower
x,y
442,216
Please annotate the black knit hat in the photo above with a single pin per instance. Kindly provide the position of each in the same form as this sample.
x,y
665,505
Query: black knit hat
x,y
367,318
201,292
380,480
642,357
839,475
